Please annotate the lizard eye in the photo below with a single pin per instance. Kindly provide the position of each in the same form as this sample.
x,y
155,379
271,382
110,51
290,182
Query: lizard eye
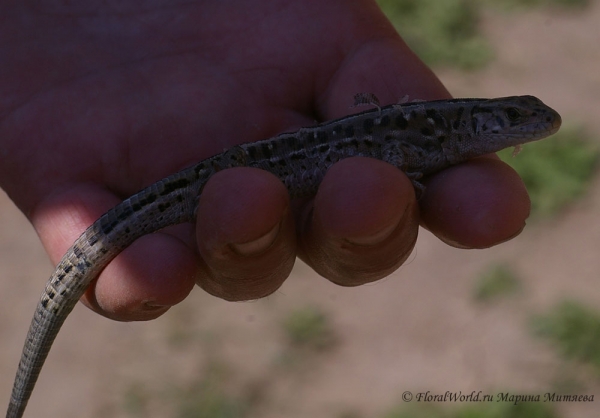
x,y
513,114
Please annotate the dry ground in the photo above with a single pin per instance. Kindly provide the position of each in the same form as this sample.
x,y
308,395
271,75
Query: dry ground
x,y
417,330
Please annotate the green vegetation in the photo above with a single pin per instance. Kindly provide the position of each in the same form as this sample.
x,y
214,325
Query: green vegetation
x,y
441,33
497,281
575,330
556,170
206,398
309,328
518,4
202,398
481,410
446,33
135,401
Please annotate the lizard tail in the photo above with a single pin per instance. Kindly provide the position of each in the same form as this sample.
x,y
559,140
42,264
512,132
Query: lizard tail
x,y
84,261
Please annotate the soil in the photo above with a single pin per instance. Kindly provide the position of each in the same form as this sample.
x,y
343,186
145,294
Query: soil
x,y
418,330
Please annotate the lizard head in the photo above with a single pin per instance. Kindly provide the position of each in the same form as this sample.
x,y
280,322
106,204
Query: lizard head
x,y
496,124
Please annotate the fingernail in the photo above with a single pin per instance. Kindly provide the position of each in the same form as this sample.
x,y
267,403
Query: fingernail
x,y
257,245
152,306
375,238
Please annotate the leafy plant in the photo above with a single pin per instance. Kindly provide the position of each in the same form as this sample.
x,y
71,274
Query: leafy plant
x,y
556,170
575,329
308,327
442,33
518,4
498,280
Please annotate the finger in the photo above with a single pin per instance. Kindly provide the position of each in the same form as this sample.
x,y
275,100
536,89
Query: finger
x,y
155,272
388,69
363,224
477,204
245,233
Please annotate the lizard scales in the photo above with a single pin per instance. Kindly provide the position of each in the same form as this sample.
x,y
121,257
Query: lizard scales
x,y
419,138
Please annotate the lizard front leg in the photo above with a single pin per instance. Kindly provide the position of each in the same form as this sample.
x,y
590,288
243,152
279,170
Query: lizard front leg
x,y
395,154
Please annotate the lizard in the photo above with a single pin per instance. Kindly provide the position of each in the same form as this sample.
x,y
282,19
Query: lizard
x,y
419,138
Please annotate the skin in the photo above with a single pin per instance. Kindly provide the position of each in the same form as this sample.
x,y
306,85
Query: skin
x,y
102,98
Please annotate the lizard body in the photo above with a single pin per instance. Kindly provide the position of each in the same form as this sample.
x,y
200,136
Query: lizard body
x,y
419,138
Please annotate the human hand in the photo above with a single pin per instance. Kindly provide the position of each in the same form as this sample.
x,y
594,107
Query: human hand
x,y
103,98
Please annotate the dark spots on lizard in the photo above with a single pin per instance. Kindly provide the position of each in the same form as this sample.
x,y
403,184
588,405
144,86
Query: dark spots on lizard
x,y
127,230
385,121
337,129
437,117
199,168
137,206
77,251
50,294
308,138
266,150
368,143
125,213
426,131
474,125
322,136
282,162
174,185
68,269
297,156
368,125
324,148
179,198
93,240
354,142
252,152
163,206
459,113
441,139
401,122
44,303
413,114
148,199
349,131
107,229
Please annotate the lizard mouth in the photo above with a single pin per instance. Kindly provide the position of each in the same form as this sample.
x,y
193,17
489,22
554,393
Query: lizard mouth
x,y
553,127
540,130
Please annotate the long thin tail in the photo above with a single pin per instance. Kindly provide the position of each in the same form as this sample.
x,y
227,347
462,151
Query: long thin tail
x,y
82,263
